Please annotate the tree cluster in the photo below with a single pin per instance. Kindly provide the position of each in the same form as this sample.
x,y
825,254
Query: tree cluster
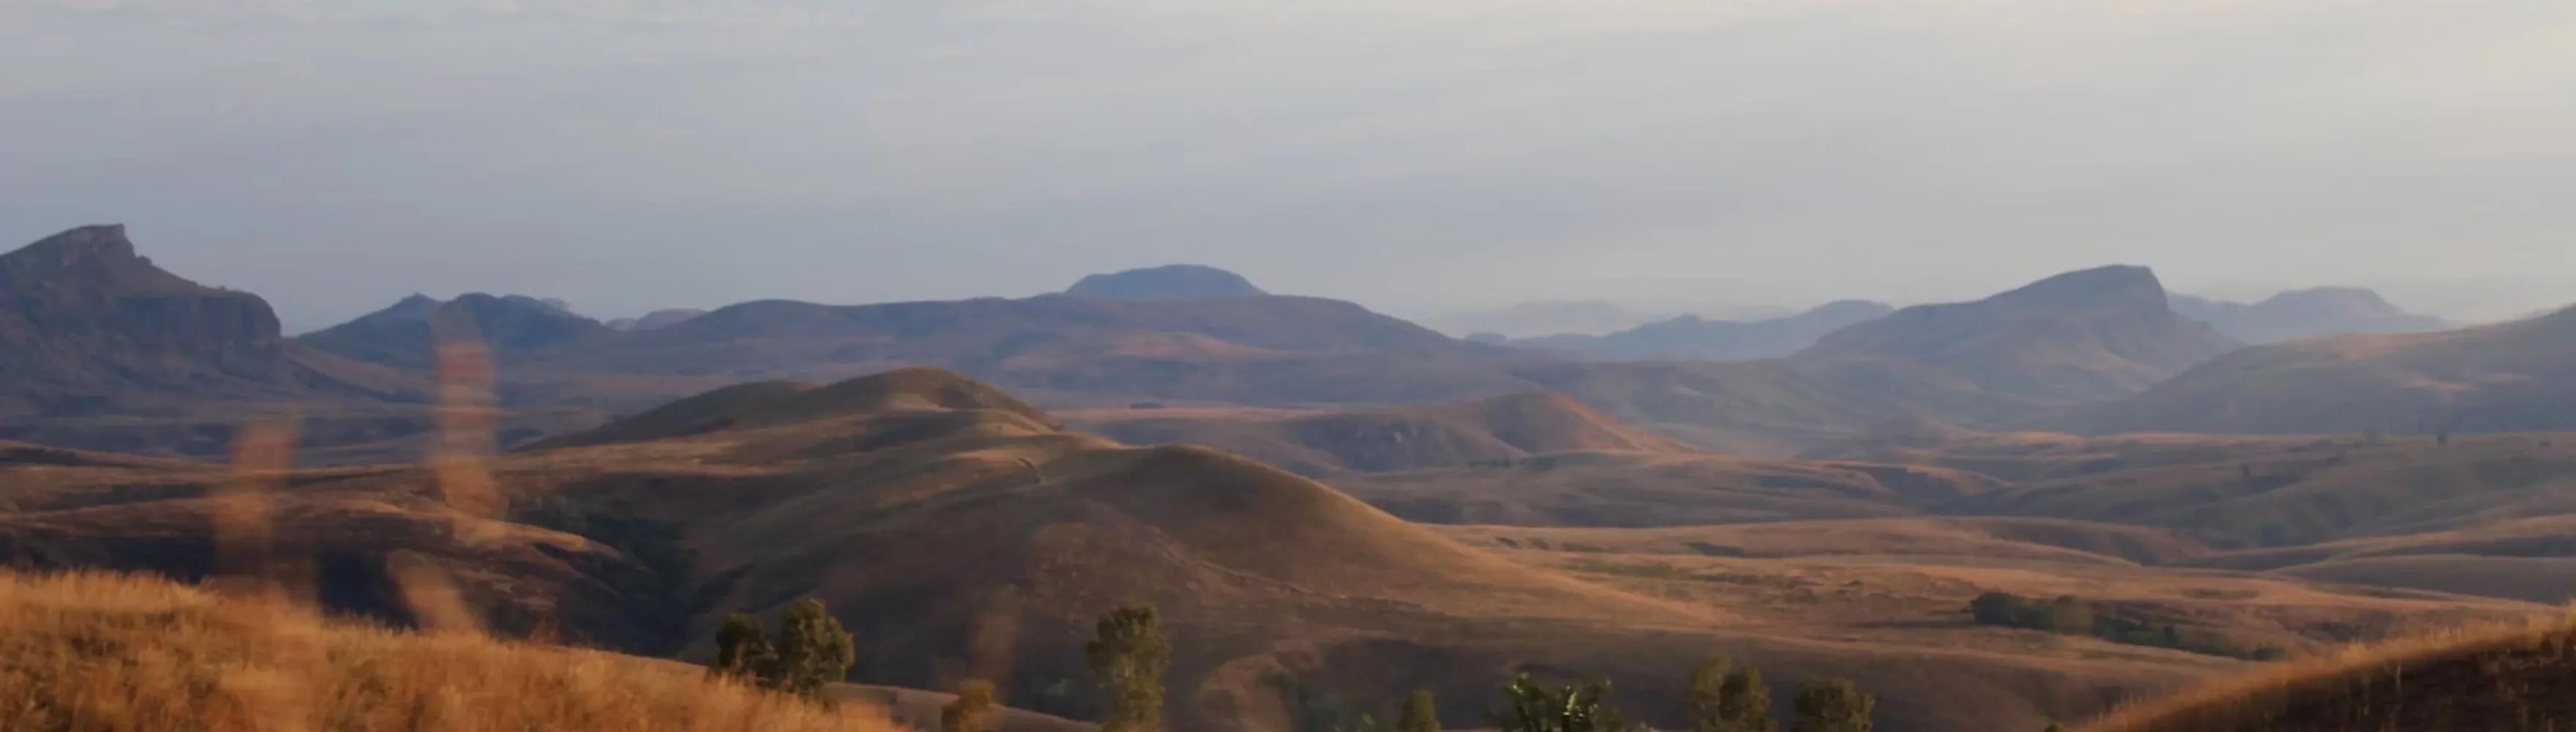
x,y
809,650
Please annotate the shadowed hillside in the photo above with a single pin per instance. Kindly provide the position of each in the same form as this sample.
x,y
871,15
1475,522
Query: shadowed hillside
x,y
1374,439
2518,376
959,534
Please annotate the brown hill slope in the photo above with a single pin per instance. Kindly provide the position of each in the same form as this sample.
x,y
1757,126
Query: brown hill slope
x,y
1372,439
2498,378
2498,678
966,538
2075,337
93,652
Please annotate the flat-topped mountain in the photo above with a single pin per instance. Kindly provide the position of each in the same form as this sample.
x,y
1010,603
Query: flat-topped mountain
x,y
1168,282
88,325
1692,337
2305,314
2080,336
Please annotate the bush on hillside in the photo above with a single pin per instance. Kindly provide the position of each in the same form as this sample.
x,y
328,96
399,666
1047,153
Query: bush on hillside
x,y
1128,656
810,650
1833,705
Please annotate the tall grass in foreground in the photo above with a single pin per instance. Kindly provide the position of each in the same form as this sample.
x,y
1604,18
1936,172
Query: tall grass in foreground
x,y
2490,678
95,652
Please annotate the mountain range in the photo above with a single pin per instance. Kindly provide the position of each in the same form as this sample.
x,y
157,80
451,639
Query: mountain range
x,y
1691,337
2305,314
96,330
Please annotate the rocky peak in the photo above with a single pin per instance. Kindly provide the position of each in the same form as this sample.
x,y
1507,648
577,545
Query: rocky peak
x,y
89,256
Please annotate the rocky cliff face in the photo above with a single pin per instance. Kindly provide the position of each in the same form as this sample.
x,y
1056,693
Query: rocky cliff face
x,y
84,320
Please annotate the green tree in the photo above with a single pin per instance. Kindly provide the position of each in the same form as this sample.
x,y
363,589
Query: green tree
x,y
968,712
1744,703
742,650
1421,713
1832,705
813,650
1128,657
1531,707
1704,703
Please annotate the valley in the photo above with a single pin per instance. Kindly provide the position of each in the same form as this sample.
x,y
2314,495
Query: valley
x,y
1322,502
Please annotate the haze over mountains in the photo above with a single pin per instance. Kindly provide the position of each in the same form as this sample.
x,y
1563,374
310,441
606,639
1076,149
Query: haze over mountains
x,y
2305,313
2078,341
1691,337
1310,489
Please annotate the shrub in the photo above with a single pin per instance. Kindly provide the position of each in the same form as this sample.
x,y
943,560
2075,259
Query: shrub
x,y
1744,703
1421,713
1832,705
967,714
1128,657
810,651
1531,707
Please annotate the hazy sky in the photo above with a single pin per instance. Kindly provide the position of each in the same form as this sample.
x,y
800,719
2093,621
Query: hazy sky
x,y
1415,155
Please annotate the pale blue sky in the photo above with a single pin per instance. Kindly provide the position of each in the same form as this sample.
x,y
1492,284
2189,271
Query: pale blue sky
x,y
1416,156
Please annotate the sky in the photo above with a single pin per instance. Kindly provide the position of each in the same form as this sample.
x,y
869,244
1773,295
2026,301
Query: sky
x,y
1420,157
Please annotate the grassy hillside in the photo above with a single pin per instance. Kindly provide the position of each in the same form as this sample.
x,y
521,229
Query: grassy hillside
x,y
2498,378
2274,492
96,652
960,534
2511,678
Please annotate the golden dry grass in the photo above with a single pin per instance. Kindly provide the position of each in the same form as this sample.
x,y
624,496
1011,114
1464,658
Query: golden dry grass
x,y
2487,677
105,652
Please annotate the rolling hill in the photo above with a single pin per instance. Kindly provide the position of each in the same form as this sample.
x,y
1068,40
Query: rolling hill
x,y
2497,378
1691,337
2512,677
2306,313
960,533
